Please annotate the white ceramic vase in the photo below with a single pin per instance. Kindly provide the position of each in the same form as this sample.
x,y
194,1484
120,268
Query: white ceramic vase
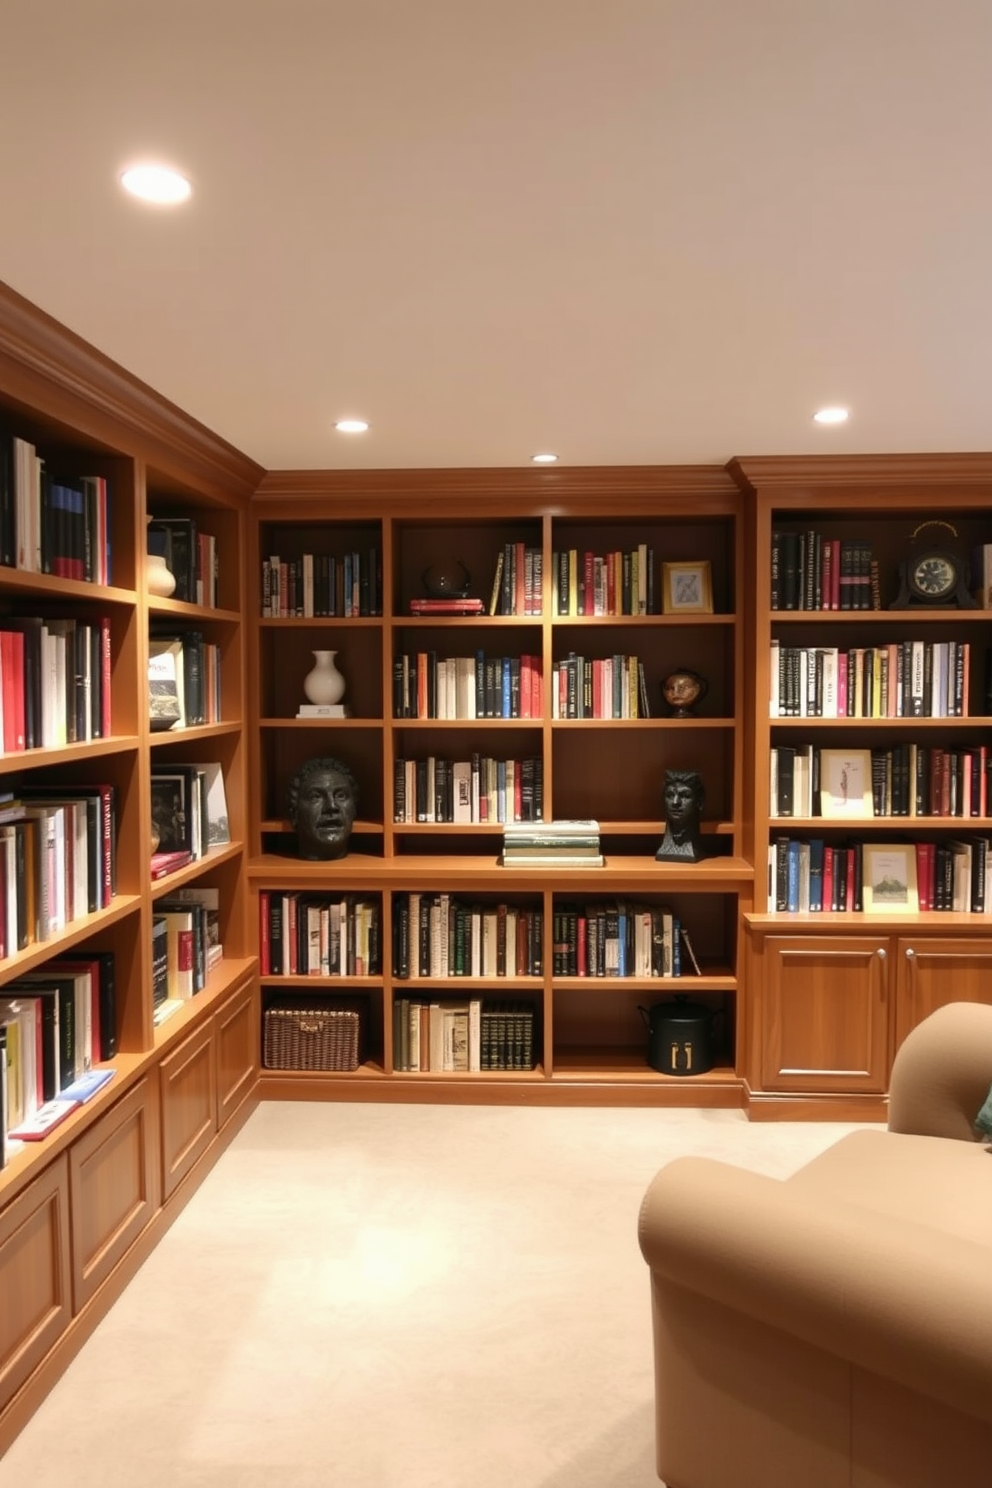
x,y
161,581
324,684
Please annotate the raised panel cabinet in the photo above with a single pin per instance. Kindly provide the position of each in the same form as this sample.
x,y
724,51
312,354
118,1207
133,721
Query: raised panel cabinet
x,y
822,1013
34,1264
936,970
237,1046
189,1105
114,1187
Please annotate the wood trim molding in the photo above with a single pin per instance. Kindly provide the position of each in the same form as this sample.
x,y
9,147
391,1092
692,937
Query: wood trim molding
x,y
712,485
50,368
755,473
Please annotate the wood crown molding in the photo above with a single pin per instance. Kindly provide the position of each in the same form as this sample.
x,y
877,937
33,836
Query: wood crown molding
x,y
69,381
711,485
755,472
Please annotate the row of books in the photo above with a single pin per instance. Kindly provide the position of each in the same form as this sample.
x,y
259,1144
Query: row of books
x,y
439,935
52,523
58,860
816,876
317,585
186,946
189,809
480,789
600,687
184,679
56,1024
810,571
479,1034
903,779
190,555
518,582
318,934
616,583
620,938
480,686
54,682
902,679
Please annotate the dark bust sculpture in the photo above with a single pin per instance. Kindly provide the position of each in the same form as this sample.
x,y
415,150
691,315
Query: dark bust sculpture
x,y
323,797
684,797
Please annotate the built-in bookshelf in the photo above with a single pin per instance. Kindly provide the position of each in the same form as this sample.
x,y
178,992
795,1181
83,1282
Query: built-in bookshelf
x,y
548,702
87,455
871,726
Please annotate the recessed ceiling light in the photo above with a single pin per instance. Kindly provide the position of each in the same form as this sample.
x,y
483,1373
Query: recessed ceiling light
x,y
830,416
156,183
351,426
545,459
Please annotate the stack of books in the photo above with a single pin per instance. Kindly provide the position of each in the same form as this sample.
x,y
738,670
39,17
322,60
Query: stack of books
x,y
554,844
457,605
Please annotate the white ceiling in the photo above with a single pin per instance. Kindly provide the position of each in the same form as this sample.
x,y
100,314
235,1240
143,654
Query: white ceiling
x,y
631,231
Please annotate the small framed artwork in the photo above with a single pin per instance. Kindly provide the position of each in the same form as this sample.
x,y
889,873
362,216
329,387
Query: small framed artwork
x,y
687,588
845,783
889,878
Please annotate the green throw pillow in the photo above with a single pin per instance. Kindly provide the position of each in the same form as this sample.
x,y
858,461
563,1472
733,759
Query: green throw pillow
x,y
983,1121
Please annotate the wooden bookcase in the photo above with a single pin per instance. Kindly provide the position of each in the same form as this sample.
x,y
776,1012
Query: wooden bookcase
x,y
81,1209
831,995
589,1038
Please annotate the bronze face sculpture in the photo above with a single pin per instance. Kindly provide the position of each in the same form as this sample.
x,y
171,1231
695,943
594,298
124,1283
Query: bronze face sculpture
x,y
323,798
684,797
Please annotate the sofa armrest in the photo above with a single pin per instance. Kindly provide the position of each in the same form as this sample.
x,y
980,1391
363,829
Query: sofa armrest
x,y
942,1073
902,1301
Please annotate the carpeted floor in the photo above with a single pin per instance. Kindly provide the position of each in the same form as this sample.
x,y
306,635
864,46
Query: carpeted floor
x,y
392,1297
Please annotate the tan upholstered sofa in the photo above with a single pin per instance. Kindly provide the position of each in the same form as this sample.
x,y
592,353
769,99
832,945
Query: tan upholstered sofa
x,y
834,1330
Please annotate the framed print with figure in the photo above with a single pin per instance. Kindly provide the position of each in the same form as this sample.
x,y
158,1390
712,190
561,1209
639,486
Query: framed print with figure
x,y
889,878
845,783
687,588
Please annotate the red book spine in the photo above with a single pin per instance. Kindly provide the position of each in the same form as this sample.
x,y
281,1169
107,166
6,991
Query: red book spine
x,y
264,936
828,878
105,670
582,947
291,932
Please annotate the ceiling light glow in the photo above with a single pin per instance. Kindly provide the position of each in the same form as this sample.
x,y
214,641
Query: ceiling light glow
x,y
351,426
830,416
156,183
544,459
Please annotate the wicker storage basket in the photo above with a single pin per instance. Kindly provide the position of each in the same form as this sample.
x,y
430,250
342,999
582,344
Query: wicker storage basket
x,y
313,1038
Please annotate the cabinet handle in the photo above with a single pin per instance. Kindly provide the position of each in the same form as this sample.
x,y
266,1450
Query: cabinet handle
x,y
910,953
882,955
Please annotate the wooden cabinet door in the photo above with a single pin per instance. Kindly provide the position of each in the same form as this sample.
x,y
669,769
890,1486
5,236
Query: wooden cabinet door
x,y
114,1188
934,971
34,1276
189,1105
823,1013
236,1039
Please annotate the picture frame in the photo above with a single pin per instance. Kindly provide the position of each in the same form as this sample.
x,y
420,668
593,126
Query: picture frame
x,y
687,588
845,784
889,878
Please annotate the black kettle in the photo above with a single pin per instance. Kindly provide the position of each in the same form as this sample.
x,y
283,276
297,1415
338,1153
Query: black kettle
x,y
680,1036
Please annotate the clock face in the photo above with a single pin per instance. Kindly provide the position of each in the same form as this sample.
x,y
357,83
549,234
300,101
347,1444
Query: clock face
x,y
934,577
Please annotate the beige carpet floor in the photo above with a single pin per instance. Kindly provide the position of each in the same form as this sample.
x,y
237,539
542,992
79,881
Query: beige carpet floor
x,y
392,1297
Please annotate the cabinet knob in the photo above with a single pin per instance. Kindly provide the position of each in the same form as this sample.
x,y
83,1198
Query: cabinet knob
x,y
883,955
910,953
